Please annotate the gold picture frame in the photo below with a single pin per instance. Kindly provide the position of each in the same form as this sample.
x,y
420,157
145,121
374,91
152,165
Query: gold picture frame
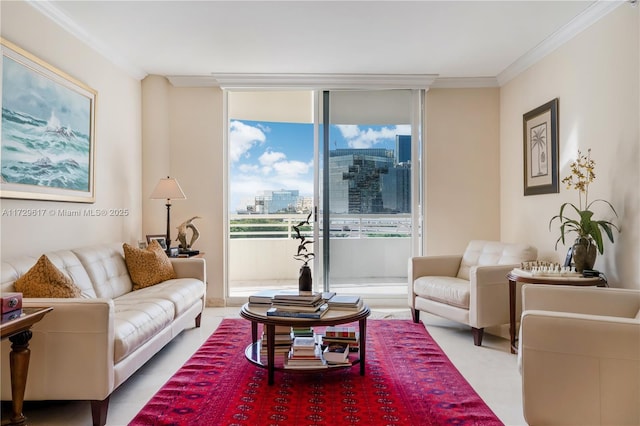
x,y
48,146
540,138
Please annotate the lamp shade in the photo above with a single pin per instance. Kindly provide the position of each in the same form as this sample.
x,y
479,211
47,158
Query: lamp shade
x,y
168,189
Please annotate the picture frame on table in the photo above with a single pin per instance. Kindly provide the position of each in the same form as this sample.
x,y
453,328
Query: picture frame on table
x,y
162,240
540,149
47,147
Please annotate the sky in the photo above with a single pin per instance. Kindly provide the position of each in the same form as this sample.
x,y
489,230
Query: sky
x,y
272,156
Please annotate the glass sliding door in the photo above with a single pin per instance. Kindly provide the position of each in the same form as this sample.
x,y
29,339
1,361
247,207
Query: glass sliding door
x,y
352,160
367,202
270,152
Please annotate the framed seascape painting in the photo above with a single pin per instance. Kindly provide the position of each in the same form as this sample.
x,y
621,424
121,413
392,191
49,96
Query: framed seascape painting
x,y
48,131
540,128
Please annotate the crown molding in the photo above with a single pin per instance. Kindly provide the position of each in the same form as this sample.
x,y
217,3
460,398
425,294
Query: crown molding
x,y
296,81
581,22
464,82
50,11
323,81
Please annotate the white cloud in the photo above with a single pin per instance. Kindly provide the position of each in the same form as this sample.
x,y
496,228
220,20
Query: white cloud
x,y
269,157
358,138
292,169
242,138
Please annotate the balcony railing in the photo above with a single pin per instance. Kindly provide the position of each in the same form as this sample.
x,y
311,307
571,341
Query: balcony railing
x,y
365,249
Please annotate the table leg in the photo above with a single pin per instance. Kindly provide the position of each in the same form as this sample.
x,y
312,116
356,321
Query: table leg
x,y
19,365
363,344
512,316
254,331
271,356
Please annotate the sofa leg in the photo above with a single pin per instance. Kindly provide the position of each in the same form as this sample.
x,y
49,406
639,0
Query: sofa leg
x,y
99,411
415,314
477,335
198,318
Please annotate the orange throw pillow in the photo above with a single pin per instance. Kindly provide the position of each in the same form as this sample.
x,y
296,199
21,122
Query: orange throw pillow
x,y
45,280
148,266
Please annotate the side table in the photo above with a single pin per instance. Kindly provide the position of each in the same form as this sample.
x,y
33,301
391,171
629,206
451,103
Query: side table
x,y
19,333
514,278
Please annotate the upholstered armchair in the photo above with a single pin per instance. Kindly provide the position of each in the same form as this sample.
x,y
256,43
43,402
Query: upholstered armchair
x,y
579,355
469,288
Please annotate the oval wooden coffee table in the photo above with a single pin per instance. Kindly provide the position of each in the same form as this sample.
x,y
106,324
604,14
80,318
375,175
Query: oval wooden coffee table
x,y
258,315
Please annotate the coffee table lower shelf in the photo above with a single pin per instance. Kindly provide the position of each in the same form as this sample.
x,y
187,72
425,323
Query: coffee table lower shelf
x,y
253,355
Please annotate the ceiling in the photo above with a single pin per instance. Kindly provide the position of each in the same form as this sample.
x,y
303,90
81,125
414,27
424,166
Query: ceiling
x,y
450,39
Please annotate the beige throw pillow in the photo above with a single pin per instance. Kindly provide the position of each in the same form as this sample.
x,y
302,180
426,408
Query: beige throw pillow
x,y
148,266
45,280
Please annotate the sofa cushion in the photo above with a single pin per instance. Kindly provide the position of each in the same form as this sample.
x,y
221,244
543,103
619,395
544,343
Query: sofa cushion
x,y
484,253
45,280
148,266
105,266
448,290
182,292
137,320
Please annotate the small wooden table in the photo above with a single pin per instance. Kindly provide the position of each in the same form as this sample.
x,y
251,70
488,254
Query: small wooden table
x,y
514,278
332,317
19,333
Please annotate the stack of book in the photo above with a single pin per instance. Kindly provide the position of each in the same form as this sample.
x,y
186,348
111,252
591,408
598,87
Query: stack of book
x,y
282,338
345,302
262,298
336,354
345,335
11,306
298,305
305,353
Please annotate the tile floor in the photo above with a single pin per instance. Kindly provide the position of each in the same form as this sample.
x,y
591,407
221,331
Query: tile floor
x,y
490,369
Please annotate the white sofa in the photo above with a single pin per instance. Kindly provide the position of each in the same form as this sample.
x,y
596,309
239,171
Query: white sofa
x,y
88,346
579,355
470,288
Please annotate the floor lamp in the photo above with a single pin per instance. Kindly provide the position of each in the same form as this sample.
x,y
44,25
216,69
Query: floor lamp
x,y
168,189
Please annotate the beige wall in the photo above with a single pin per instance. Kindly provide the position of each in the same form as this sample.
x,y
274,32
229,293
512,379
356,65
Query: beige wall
x,y
473,149
182,138
118,134
462,183
595,76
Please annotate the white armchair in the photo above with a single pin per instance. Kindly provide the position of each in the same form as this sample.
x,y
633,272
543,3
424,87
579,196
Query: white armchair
x,y
471,288
579,355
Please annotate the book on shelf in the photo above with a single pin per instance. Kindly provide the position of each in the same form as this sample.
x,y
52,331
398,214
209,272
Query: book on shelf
x,y
301,332
319,313
340,331
336,352
313,359
304,342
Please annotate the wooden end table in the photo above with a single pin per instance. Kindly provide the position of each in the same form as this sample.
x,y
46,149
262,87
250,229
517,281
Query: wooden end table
x,y
258,315
514,278
19,333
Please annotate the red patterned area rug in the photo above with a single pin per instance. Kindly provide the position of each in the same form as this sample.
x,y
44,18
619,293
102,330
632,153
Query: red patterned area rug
x,y
408,381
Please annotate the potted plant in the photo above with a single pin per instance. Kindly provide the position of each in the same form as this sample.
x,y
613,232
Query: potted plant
x,y
304,255
589,230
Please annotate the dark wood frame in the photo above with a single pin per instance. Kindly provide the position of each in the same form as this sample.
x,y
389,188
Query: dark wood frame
x,y
545,115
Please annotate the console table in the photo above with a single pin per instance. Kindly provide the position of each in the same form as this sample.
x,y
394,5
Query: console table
x,y
516,277
19,333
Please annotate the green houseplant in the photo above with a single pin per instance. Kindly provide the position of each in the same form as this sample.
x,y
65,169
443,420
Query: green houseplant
x,y
589,230
304,255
